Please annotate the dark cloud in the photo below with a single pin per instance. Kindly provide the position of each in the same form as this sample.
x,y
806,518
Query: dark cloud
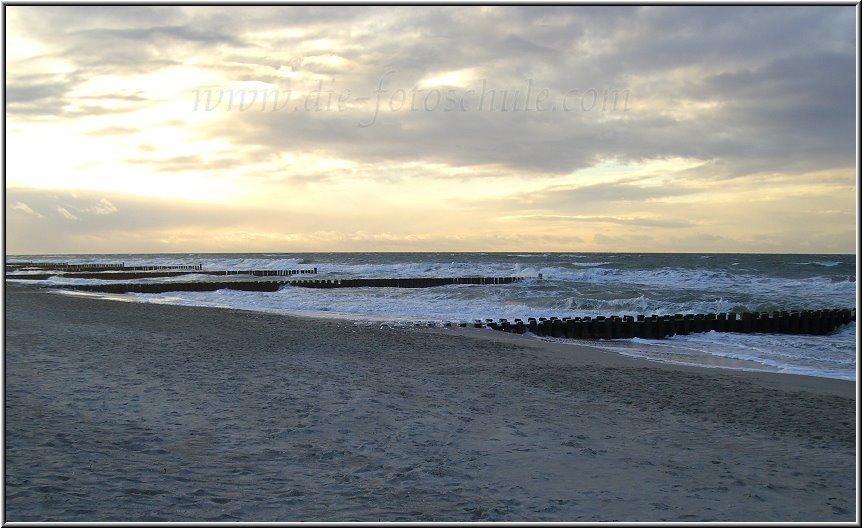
x,y
783,93
153,34
38,94
28,93
612,192
791,114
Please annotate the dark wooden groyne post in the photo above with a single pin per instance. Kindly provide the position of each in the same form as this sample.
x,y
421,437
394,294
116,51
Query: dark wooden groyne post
x,y
628,327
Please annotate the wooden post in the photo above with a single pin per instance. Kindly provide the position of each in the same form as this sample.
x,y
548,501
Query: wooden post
x,y
747,322
640,327
720,322
628,327
586,330
688,323
732,322
681,325
557,328
617,327
668,325
794,322
571,329
829,319
651,327
805,322
819,323
608,328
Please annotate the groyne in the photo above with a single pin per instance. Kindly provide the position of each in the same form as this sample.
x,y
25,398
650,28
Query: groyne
x,y
65,266
811,322
127,275
163,287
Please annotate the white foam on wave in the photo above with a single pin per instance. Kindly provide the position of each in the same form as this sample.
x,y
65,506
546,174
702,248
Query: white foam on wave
x,y
821,263
426,269
720,282
830,356
382,304
590,264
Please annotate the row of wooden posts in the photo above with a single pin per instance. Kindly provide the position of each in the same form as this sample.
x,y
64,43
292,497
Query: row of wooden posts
x,y
163,287
411,282
64,266
812,322
124,275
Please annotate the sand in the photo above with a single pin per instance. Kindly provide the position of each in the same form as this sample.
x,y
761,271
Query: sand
x,y
119,411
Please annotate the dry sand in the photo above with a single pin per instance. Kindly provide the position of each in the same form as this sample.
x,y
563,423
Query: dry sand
x,y
137,412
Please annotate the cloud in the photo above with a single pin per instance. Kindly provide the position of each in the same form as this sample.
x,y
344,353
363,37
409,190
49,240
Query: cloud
x,y
782,110
150,34
399,99
37,94
102,207
613,192
636,221
65,213
21,206
112,131
28,93
778,91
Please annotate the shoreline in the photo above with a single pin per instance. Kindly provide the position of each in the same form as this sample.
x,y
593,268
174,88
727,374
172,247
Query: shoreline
x,y
710,361
135,411
586,354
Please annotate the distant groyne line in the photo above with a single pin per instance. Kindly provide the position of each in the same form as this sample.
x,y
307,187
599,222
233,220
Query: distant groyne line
x,y
126,275
65,266
264,286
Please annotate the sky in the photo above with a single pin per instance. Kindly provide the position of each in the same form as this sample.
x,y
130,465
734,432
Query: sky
x,y
439,128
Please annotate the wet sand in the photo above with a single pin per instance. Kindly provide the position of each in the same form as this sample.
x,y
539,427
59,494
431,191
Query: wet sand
x,y
138,412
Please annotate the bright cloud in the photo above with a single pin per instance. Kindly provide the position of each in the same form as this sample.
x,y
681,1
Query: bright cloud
x,y
66,214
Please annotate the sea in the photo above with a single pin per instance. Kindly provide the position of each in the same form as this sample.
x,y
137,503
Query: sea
x,y
571,284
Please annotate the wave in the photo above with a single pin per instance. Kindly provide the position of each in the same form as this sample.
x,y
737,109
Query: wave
x,y
590,264
821,263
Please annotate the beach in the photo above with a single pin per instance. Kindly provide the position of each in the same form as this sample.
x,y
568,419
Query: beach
x,y
120,411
